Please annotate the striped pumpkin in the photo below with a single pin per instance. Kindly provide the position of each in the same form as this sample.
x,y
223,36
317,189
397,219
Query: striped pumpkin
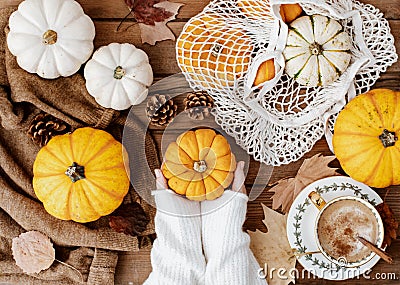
x,y
317,50
81,176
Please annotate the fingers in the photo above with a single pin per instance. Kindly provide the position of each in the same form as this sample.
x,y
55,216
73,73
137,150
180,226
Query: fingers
x,y
237,185
238,181
161,182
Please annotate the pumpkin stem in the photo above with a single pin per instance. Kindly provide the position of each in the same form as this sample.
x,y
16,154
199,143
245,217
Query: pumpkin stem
x,y
49,37
216,49
75,172
200,166
316,49
119,72
388,138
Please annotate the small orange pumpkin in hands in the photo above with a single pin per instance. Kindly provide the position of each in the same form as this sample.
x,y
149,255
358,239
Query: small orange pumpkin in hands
x,y
81,176
199,165
366,139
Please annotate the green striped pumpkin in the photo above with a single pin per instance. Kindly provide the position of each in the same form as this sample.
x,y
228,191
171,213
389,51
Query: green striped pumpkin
x,y
317,50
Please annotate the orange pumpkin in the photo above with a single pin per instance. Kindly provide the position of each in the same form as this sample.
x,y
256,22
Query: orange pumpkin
x,y
290,12
265,72
213,52
81,176
366,139
199,165
255,9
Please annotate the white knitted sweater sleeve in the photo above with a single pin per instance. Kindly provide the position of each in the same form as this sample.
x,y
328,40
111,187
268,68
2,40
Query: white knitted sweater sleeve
x,y
177,257
186,241
226,247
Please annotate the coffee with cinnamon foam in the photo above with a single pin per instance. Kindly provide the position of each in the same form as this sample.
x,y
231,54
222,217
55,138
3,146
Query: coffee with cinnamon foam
x,y
339,226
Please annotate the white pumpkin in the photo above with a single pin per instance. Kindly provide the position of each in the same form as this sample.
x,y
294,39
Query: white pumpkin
x,y
118,76
50,37
317,50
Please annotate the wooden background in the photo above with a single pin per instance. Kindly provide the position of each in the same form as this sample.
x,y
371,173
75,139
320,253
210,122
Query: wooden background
x,y
133,268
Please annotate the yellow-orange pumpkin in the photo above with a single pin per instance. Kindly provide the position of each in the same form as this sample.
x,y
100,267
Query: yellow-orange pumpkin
x,y
265,72
211,51
81,176
290,12
253,10
199,165
366,136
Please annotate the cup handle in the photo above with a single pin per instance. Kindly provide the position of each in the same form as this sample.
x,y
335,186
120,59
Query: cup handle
x,y
317,200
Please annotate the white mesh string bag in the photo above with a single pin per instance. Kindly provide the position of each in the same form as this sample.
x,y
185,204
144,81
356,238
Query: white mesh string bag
x,y
221,49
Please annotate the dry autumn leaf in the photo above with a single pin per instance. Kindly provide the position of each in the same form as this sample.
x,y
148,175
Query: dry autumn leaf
x,y
153,16
33,252
145,11
129,219
311,170
273,248
389,223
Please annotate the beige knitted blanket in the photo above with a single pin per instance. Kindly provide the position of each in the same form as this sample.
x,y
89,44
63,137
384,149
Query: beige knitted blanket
x,y
91,248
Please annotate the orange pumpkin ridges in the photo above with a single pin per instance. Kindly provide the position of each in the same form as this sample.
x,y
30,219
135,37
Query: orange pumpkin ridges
x,y
265,72
290,12
225,56
71,175
366,138
199,165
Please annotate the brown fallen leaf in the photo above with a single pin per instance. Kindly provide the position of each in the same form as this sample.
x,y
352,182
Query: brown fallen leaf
x,y
160,31
145,11
273,248
33,252
311,170
153,16
389,223
129,219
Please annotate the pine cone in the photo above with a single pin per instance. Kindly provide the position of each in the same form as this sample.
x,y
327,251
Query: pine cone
x,y
44,126
198,105
161,110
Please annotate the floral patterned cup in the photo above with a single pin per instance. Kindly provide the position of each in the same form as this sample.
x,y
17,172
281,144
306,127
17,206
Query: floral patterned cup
x,y
339,223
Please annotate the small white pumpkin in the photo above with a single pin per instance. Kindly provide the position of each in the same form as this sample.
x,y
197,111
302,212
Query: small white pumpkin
x,y
118,76
317,50
52,38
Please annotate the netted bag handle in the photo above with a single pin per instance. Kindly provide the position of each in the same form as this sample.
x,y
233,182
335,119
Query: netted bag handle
x,y
334,94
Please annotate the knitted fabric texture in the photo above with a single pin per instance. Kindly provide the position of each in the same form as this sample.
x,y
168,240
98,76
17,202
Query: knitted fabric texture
x,y
176,256
226,246
202,243
91,248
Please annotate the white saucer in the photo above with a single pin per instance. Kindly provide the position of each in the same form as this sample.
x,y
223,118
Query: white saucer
x,y
301,224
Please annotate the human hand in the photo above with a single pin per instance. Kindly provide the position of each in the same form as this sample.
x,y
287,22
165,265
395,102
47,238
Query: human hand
x,y
237,185
161,182
238,181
